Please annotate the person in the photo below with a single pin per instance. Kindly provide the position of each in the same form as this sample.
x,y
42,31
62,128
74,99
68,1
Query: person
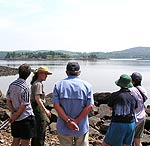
x,y
18,101
38,104
141,95
123,105
73,100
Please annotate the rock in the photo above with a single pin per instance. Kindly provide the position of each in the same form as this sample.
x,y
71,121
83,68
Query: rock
x,y
104,127
99,120
147,124
101,98
94,132
145,140
53,128
48,99
147,110
93,122
4,114
2,100
6,71
104,110
94,111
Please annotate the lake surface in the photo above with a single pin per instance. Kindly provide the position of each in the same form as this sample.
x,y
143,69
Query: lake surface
x,y
100,73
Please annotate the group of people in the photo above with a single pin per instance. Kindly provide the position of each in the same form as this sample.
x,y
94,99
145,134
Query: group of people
x,y
128,112
73,100
28,113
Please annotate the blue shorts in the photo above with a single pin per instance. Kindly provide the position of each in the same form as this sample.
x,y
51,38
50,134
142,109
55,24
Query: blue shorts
x,y
120,133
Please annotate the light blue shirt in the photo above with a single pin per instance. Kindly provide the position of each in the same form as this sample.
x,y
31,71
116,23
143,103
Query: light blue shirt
x,y
73,94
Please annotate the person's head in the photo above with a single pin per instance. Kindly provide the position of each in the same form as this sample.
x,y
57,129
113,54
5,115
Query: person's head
x,y
136,78
124,81
24,71
73,69
41,74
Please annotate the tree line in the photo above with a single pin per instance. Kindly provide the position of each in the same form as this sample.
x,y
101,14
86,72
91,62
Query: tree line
x,y
138,52
35,55
48,55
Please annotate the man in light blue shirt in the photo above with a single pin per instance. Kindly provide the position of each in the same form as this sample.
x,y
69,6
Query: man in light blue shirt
x,y
73,100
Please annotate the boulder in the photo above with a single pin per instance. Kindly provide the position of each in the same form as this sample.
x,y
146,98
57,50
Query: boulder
x,y
101,98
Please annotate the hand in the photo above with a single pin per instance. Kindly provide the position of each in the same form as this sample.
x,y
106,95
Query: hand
x,y
13,117
48,113
72,125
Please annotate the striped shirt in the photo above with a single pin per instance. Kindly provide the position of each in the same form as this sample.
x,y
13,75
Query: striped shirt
x,y
19,94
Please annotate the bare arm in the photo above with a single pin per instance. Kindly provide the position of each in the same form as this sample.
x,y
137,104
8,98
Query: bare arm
x,y
84,112
9,104
60,112
41,105
16,114
69,123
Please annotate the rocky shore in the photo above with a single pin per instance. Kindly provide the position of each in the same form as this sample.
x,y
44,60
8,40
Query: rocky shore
x,y
99,120
6,71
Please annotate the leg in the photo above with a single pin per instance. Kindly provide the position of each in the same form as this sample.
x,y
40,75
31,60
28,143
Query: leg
x,y
139,133
125,145
137,142
65,140
105,144
39,139
25,142
82,140
16,142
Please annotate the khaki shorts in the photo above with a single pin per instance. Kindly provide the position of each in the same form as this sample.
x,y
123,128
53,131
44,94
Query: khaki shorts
x,y
74,140
139,130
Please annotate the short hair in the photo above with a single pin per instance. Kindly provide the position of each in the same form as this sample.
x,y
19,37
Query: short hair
x,y
24,71
73,69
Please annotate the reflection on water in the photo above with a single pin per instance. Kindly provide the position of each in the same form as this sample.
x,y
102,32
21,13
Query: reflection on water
x,y
100,73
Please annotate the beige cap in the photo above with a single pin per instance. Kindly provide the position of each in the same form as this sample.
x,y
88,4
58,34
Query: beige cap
x,y
44,69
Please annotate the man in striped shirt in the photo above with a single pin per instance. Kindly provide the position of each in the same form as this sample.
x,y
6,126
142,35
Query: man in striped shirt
x,y
18,101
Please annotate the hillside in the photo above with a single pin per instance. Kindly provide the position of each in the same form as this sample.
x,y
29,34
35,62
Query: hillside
x,y
137,52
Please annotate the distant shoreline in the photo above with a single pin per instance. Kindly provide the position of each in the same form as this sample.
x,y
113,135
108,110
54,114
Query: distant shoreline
x,y
39,59
88,59
6,71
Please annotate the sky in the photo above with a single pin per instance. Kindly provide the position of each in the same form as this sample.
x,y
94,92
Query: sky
x,y
74,25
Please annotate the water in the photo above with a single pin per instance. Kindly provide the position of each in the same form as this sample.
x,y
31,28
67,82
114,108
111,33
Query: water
x,y
101,73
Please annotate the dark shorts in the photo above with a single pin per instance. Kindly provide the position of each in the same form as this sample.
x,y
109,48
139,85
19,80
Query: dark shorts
x,y
139,130
24,129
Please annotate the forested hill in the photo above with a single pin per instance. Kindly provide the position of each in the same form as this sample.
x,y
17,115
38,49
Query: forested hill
x,y
137,52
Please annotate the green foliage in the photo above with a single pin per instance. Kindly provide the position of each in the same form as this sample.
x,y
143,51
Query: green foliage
x,y
35,55
138,52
